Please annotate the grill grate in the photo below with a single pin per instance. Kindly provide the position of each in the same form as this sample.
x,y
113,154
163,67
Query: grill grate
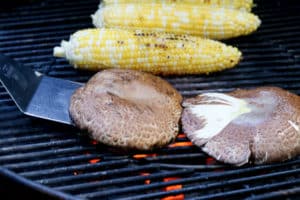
x,y
57,160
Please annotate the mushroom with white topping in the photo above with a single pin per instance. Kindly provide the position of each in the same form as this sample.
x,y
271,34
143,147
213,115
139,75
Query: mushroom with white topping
x,y
259,125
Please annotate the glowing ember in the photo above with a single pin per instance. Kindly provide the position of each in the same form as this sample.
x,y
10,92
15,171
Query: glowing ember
x,y
173,187
181,144
181,135
210,161
140,156
147,182
93,161
94,142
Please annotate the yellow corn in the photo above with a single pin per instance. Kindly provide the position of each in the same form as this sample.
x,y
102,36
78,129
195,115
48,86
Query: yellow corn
x,y
205,21
158,53
245,5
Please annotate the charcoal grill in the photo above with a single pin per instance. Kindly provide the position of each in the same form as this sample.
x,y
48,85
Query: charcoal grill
x,y
53,161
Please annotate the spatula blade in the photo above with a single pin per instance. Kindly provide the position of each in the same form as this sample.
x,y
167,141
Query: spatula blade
x,y
35,94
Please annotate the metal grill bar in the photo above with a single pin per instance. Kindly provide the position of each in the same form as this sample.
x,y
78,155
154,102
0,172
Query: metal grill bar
x,y
28,147
244,192
15,132
66,162
197,179
80,167
29,138
19,157
53,14
72,180
55,31
222,184
119,181
294,192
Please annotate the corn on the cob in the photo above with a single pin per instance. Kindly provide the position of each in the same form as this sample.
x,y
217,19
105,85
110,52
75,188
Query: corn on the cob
x,y
205,21
245,5
158,53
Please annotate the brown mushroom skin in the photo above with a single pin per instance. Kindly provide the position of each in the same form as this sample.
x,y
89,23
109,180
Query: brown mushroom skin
x,y
266,131
127,109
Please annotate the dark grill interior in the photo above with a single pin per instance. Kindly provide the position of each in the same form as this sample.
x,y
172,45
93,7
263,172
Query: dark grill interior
x,y
56,160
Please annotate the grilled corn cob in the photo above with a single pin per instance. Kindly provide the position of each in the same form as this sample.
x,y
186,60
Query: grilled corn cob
x,y
206,21
158,53
245,5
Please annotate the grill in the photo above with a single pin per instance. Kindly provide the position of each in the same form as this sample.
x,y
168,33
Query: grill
x,y
54,161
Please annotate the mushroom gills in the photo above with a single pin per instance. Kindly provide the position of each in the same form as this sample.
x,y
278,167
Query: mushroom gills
x,y
217,111
259,125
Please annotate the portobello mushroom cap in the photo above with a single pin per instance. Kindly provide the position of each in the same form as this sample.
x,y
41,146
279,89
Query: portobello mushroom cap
x,y
127,109
259,125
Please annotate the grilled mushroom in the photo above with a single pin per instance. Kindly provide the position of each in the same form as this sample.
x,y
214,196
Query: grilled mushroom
x,y
127,109
260,125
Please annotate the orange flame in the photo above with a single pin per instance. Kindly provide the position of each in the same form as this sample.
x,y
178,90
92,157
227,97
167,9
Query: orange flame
x,y
147,182
181,144
140,156
210,161
181,135
93,161
94,142
173,187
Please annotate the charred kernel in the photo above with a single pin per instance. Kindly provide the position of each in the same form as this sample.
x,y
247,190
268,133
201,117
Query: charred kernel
x,y
141,18
162,46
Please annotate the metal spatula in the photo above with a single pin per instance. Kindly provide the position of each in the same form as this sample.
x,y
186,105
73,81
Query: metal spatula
x,y
35,94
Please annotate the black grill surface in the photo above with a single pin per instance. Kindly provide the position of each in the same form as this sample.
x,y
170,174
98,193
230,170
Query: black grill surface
x,y
57,160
